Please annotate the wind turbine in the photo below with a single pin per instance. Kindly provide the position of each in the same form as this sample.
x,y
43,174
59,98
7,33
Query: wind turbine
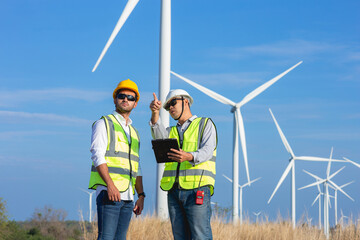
x,y
164,79
342,218
335,199
291,166
241,191
327,182
90,202
238,127
257,215
318,198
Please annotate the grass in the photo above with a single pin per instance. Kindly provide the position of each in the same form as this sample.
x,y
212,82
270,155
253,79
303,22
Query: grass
x,y
151,228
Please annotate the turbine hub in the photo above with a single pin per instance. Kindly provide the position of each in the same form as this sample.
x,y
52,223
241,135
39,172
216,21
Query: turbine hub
x,y
233,109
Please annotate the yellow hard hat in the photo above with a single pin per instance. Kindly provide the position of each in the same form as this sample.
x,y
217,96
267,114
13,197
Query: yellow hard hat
x,y
127,84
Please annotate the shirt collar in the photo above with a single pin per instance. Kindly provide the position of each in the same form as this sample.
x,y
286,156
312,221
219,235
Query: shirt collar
x,y
121,119
189,120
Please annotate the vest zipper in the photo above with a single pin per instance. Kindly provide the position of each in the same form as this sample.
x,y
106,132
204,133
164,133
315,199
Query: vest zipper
x,y
130,157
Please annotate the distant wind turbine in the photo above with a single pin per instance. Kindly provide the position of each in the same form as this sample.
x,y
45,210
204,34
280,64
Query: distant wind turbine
x,y
90,202
342,218
238,127
241,193
335,199
257,216
327,182
291,166
318,198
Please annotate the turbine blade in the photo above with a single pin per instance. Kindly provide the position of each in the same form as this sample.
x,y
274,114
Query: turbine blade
x,y
332,175
252,181
317,197
338,188
317,159
313,175
342,186
348,160
263,87
282,136
205,90
312,184
329,164
229,179
287,170
130,5
240,123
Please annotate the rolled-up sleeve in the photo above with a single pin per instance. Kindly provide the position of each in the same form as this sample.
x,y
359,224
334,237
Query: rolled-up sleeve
x,y
99,142
158,130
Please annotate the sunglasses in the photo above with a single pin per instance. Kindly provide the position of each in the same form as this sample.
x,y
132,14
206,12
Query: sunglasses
x,y
123,96
172,103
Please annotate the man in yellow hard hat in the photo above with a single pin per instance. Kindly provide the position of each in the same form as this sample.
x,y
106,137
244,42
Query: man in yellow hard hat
x,y
190,179
116,170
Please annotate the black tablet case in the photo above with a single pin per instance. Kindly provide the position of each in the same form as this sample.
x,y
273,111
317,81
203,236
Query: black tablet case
x,y
162,146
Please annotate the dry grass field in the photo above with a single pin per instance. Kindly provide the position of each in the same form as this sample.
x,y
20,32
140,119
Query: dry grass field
x,y
151,228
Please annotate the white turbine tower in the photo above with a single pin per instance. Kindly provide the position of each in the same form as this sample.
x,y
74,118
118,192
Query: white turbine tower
x,y
238,127
241,194
327,182
164,79
291,166
90,203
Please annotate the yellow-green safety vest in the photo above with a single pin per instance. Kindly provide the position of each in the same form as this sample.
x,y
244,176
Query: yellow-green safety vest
x,y
121,156
189,176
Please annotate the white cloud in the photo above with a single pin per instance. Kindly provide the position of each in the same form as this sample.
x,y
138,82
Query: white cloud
x,y
11,116
293,47
236,79
15,97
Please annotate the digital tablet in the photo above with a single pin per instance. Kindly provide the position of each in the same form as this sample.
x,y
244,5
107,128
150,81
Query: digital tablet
x,y
161,148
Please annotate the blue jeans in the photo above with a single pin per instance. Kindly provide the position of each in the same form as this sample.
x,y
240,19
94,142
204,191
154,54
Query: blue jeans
x,y
113,217
189,220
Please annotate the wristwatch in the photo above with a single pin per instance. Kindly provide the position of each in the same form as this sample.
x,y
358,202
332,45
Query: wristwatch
x,y
141,194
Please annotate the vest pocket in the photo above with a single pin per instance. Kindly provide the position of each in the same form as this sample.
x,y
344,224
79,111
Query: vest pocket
x,y
165,179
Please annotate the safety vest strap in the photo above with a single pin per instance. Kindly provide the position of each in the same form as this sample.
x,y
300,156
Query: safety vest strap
x,y
113,170
189,172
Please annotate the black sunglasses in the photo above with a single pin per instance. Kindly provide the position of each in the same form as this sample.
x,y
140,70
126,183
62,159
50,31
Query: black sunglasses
x,y
172,103
123,96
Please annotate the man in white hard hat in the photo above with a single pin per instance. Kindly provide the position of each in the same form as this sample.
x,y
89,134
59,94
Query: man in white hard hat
x,y
190,179
116,171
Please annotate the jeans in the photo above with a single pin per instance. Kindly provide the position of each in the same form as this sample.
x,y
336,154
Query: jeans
x,y
113,217
189,220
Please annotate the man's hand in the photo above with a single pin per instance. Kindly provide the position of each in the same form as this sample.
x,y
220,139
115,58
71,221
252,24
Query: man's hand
x,y
139,206
113,193
155,107
180,156
155,104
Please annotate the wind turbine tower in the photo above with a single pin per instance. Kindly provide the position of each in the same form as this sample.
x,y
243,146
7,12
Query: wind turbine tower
x,y
239,128
241,194
90,203
164,79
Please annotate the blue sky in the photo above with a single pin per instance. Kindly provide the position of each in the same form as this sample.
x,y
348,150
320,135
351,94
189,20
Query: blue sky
x,y
49,97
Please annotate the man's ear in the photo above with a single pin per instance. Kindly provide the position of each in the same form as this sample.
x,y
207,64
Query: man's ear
x,y
135,104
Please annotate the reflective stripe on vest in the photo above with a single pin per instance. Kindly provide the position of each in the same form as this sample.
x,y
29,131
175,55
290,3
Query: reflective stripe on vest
x,y
122,158
189,176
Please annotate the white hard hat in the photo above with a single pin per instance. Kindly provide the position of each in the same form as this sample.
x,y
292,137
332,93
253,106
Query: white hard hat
x,y
178,93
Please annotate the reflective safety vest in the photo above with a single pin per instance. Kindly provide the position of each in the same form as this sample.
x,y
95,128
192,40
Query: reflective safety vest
x,y
190,177
121,156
